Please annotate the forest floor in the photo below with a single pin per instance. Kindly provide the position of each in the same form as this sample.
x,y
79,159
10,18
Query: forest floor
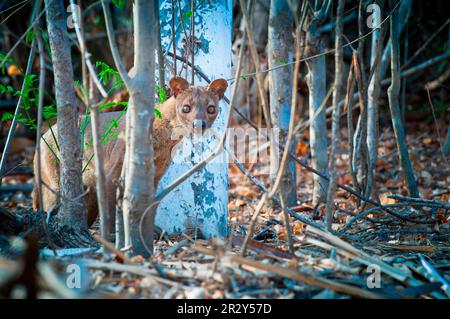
x,y
375,256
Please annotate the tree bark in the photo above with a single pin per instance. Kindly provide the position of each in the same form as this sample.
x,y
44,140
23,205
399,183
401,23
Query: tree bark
x,y
372,104
281,50
72,211
393,96
316,80
335,136
139,173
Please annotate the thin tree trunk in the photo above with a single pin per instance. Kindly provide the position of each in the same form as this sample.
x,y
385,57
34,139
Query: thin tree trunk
x,y
139,175
361,150
161,75
372,104
335,135
105,211
316,80
375,86
72,211
281,50
138,168
404,11
42,72
393,96
350,129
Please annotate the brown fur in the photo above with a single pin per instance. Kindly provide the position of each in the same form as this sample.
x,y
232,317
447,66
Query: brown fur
x,y
173,117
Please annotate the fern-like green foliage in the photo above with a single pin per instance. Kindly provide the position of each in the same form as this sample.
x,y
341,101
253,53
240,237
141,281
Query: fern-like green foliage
x,y
30,96
162,95
107,75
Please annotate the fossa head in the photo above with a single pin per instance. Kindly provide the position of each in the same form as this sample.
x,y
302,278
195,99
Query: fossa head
x,y
197,106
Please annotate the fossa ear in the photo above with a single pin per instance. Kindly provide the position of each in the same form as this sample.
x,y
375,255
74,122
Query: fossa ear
x,y
218,87
178,84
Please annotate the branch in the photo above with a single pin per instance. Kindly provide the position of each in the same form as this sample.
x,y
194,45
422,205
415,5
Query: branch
x,y
12,128
5,58
112,43
338,86
87,55
420,67
419,200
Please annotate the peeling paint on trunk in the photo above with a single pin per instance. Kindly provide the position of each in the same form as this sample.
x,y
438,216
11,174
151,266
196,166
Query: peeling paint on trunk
x,y
201,201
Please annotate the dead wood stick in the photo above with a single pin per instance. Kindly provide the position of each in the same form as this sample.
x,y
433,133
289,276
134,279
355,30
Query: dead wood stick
x,y
419,200
389,270
132,269
112,249
296,275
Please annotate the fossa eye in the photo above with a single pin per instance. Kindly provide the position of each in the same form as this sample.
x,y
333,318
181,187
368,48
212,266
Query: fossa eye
x,y
211,109
186,108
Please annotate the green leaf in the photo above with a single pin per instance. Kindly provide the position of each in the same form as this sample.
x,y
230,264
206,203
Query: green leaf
x,y
187,15
158,113
30,36
106,74
49,112
282,61
7,116
110,104
162,95
119,3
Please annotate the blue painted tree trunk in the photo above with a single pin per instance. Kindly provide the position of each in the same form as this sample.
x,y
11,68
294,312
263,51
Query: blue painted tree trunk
x,y
200,203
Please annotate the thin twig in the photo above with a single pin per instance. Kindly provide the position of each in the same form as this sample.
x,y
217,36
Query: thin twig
x,y
12,128
112,43
335,139
192,41
174,42
85,52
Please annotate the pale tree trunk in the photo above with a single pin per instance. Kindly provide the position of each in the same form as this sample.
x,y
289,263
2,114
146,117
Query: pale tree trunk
x,y
316,80
335,134
72,211
139,172
281,50
393,96
138,169
361,79
374,85
404,12
200,202
372,105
